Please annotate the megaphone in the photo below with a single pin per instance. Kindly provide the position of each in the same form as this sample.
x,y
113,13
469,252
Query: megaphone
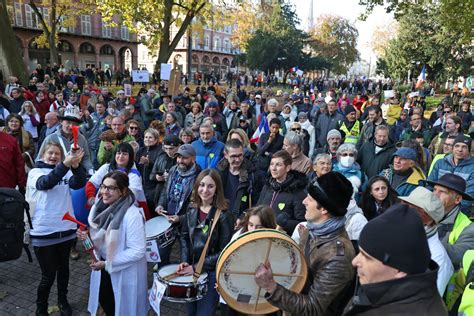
x,y
75,132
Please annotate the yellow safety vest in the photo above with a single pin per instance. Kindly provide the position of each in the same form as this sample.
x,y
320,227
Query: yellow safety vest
x,y
352,135
467,301
456,284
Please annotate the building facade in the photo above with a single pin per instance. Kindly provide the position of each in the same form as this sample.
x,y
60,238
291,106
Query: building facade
x,y
89,43
211,51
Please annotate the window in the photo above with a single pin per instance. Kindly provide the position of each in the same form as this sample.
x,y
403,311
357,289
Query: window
x,y
217,43
106,30
206,42
45,16
124,33
11,14
86,25
18,14
30,17
226,45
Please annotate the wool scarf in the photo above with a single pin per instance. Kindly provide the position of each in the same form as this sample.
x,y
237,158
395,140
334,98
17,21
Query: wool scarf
x,y
329,226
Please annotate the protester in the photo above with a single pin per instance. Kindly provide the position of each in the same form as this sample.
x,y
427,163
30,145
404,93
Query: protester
x,y
12,165
377,197
208,149
106,148
293,144
328,252
48,185
117,229
208,199
395,275
25,140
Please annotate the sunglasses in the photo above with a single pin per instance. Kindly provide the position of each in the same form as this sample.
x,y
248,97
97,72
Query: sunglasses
x,y
132,127
347,154
447,111
296,129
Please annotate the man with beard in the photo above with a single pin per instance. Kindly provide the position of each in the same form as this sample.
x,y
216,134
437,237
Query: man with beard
x,y
334,140
175,197
351,125
368,130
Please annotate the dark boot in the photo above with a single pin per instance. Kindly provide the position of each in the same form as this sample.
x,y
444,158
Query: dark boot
x,y
41,309
65,308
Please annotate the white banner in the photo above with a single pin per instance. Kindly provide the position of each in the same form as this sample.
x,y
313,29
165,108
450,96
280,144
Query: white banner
x,y
141,76
165,71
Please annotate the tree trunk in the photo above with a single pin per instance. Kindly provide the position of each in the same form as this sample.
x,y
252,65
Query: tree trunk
x,y
11,62
53,50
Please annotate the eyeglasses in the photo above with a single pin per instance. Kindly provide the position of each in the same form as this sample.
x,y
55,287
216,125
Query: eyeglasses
x,y
448,145
133,127
447,112
347,154
296,129
108,188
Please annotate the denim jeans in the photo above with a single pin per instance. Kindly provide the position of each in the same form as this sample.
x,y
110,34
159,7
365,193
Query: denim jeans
x,y
53,261
207,305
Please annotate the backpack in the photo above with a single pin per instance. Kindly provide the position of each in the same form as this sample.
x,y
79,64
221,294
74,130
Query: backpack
x,y
12,225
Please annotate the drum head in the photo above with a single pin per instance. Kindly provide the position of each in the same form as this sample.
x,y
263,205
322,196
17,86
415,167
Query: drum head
x,y
183,279
238,261
156,226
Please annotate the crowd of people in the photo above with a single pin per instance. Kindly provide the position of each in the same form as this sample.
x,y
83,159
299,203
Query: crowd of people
x,y
378,195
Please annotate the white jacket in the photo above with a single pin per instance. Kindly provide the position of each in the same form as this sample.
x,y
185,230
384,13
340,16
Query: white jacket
x,y
128,271
50,205
440,256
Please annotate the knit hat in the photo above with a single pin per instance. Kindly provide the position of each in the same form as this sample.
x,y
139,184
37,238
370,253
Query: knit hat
x,y
397,238
333,133
302,115
333,192
463,139
349,109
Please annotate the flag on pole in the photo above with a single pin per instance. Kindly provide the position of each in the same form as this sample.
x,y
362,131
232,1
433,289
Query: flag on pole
x,y
421,78
262,128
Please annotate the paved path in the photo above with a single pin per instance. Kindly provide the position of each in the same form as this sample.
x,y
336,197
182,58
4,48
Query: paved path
x,y
19,280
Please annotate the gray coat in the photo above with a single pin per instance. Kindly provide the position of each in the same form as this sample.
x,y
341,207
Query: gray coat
x,y
66,145
325,123
92,129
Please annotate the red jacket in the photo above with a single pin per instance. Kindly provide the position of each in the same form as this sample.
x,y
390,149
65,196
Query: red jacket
x,y
42,107
12,165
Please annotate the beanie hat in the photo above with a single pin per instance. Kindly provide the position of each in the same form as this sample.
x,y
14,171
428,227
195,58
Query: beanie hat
x,y
398,239
172,140
463,139
349,109
333,192
333,133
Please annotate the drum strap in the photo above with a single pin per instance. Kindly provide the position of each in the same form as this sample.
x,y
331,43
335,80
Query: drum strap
x,y
200,263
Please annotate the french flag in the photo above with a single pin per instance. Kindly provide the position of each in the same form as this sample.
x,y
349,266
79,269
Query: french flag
x,y
421,78
294,69
261,129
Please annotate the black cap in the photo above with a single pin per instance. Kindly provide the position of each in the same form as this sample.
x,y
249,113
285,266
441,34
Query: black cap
x,y
397,239
171,140
453,182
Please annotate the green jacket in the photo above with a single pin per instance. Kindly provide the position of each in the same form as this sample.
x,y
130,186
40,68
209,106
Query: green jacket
x,y
104,156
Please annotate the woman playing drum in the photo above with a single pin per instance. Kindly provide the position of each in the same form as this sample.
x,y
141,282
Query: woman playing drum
x,y
207,197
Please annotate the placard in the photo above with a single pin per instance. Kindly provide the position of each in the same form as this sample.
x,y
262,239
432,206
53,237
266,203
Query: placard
x,y
152,253
299,72
165,71
127,87
387,94
141,76
175,80
156,295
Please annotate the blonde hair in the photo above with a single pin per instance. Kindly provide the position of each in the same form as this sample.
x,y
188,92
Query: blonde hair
x,y
242,134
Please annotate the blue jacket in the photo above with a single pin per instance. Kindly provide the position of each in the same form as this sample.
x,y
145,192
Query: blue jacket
x,y
465,169
208,154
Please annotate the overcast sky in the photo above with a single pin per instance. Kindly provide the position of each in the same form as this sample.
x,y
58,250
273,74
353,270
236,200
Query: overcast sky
x,y
351,10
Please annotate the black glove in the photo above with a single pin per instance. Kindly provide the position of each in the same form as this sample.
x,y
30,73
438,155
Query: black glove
x,y
282,219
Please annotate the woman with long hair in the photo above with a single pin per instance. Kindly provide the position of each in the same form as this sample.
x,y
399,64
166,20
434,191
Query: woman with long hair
x,y
123,160
49,186
117,230
207,198
377,197
14,127
31,118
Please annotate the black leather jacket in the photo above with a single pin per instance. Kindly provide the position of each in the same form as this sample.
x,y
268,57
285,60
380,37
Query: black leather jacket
x,y
193,237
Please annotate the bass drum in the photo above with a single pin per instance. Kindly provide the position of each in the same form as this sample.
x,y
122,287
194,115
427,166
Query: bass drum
x,y
238,261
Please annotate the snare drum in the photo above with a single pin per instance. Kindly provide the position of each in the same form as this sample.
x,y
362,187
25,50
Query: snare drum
x,y
160,229
181,289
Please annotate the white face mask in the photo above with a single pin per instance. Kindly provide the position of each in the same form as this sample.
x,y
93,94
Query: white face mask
x,y
347,161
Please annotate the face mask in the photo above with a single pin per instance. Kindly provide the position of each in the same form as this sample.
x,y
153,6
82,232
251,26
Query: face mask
x,y
347,161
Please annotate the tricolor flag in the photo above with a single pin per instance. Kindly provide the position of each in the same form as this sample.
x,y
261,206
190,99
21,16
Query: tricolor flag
x,y
421,78
262,128
294,69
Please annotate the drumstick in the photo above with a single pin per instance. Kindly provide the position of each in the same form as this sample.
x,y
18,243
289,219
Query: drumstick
x,y
170,276
266,261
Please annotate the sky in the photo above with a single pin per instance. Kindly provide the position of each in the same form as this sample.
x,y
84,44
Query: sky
x,y
351,10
